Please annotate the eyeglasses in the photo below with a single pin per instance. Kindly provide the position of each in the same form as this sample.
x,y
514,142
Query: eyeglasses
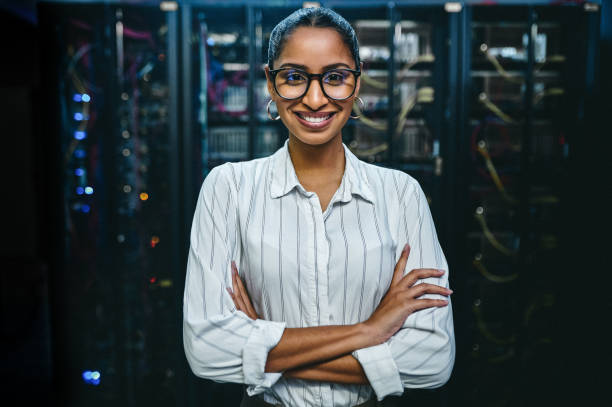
x,y
292,83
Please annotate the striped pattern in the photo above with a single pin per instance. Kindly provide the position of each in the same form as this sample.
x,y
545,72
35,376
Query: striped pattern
x,y
304,267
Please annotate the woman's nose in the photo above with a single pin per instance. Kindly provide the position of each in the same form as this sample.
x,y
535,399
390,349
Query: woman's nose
x,y
314,98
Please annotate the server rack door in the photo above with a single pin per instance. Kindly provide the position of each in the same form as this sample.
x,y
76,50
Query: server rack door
x,y
119,302
520,119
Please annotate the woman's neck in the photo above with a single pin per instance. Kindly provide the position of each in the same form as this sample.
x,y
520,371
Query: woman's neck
x,y
314,164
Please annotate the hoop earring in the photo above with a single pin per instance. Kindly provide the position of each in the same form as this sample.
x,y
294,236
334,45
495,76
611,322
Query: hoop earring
x,y
360,100
270,114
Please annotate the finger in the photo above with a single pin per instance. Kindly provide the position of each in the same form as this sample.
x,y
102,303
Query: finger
x,y
425,288
237,293
419,274
231,293
400,266
247,300
418,305
245,295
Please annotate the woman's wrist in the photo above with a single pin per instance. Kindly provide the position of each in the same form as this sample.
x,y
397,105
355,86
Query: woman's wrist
x,y
369,333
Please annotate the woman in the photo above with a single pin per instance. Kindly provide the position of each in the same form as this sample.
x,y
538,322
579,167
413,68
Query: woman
x,y
325,316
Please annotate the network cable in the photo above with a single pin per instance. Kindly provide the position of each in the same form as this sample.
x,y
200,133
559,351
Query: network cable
x,y
479,215
477,262
482,149
484,99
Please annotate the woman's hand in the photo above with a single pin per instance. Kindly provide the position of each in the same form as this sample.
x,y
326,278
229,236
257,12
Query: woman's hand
x,y
401,299
240,296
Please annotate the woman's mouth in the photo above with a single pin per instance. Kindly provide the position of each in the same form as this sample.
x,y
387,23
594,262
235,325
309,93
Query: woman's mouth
x,y
315,120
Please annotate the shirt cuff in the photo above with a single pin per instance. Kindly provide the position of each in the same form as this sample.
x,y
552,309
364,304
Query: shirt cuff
x,y
381,370
264,336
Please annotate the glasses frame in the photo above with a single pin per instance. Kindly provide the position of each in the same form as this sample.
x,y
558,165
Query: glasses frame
x,y
319,76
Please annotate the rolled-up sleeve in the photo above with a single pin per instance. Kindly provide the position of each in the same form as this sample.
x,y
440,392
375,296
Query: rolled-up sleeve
x,y
221,343
422,353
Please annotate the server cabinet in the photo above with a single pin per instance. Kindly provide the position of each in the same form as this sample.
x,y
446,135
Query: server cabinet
x,y
112,113
404,50
525,72
403,88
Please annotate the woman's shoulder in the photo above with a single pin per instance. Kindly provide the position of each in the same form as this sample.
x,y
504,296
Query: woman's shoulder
x,y
236,173
379,176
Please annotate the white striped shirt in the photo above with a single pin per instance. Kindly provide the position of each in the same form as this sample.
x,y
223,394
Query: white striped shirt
x,y
304,267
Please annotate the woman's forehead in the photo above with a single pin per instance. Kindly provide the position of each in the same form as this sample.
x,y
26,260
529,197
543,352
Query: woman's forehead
x,y
315,48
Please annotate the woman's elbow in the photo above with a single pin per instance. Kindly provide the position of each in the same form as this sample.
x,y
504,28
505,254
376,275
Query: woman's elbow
x,y
209,363
441,374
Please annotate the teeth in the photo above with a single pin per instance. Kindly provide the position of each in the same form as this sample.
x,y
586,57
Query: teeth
x,y
312,119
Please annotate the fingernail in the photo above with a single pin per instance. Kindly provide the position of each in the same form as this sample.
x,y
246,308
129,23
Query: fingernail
x,y
405,249
440,271
229,290
449,291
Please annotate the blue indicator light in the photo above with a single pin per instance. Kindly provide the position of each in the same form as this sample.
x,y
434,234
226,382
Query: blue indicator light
x,y
88,190
85,208
85,98
79,153
77,97
78,117
79,135
90,377
79,172
80,190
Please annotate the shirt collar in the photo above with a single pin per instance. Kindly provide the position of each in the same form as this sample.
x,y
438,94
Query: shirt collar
x,y
284,179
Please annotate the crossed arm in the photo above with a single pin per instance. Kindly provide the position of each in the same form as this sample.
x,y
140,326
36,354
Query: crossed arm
x,y
324,353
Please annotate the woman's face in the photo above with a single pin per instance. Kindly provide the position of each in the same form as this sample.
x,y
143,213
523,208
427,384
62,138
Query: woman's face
x,y
314,50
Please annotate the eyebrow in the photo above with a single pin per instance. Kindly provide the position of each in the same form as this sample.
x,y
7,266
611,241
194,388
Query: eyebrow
x,y
305,68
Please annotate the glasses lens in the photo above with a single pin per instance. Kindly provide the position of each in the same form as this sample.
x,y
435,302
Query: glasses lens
x,y
291,83
339,84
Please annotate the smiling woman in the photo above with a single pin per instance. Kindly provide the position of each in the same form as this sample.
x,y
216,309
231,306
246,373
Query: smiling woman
x,y
313,277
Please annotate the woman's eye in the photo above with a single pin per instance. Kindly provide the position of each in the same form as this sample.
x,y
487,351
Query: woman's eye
x,y
334,78
294,77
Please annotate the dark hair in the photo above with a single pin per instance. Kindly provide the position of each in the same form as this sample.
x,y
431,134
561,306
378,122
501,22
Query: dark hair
x,y
312,17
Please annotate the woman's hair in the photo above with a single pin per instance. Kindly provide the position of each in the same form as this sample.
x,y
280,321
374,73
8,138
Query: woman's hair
x,y
312,17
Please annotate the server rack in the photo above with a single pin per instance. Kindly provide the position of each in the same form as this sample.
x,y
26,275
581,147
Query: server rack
x,y
111,75
485,129
523,70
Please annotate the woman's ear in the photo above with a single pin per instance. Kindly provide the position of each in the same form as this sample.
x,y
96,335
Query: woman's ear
x,y
269,81
359,79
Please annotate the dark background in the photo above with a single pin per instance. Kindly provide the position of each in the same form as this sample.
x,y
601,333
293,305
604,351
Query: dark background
x,y
39,342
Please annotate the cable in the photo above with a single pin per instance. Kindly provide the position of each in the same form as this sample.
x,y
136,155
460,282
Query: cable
x,y
368,80
420,58
484,99
550,58
423,95
383,85
482,149
477,262
479,215
484,48
368,122
504,357
484,330
547,300
548,92
371,151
